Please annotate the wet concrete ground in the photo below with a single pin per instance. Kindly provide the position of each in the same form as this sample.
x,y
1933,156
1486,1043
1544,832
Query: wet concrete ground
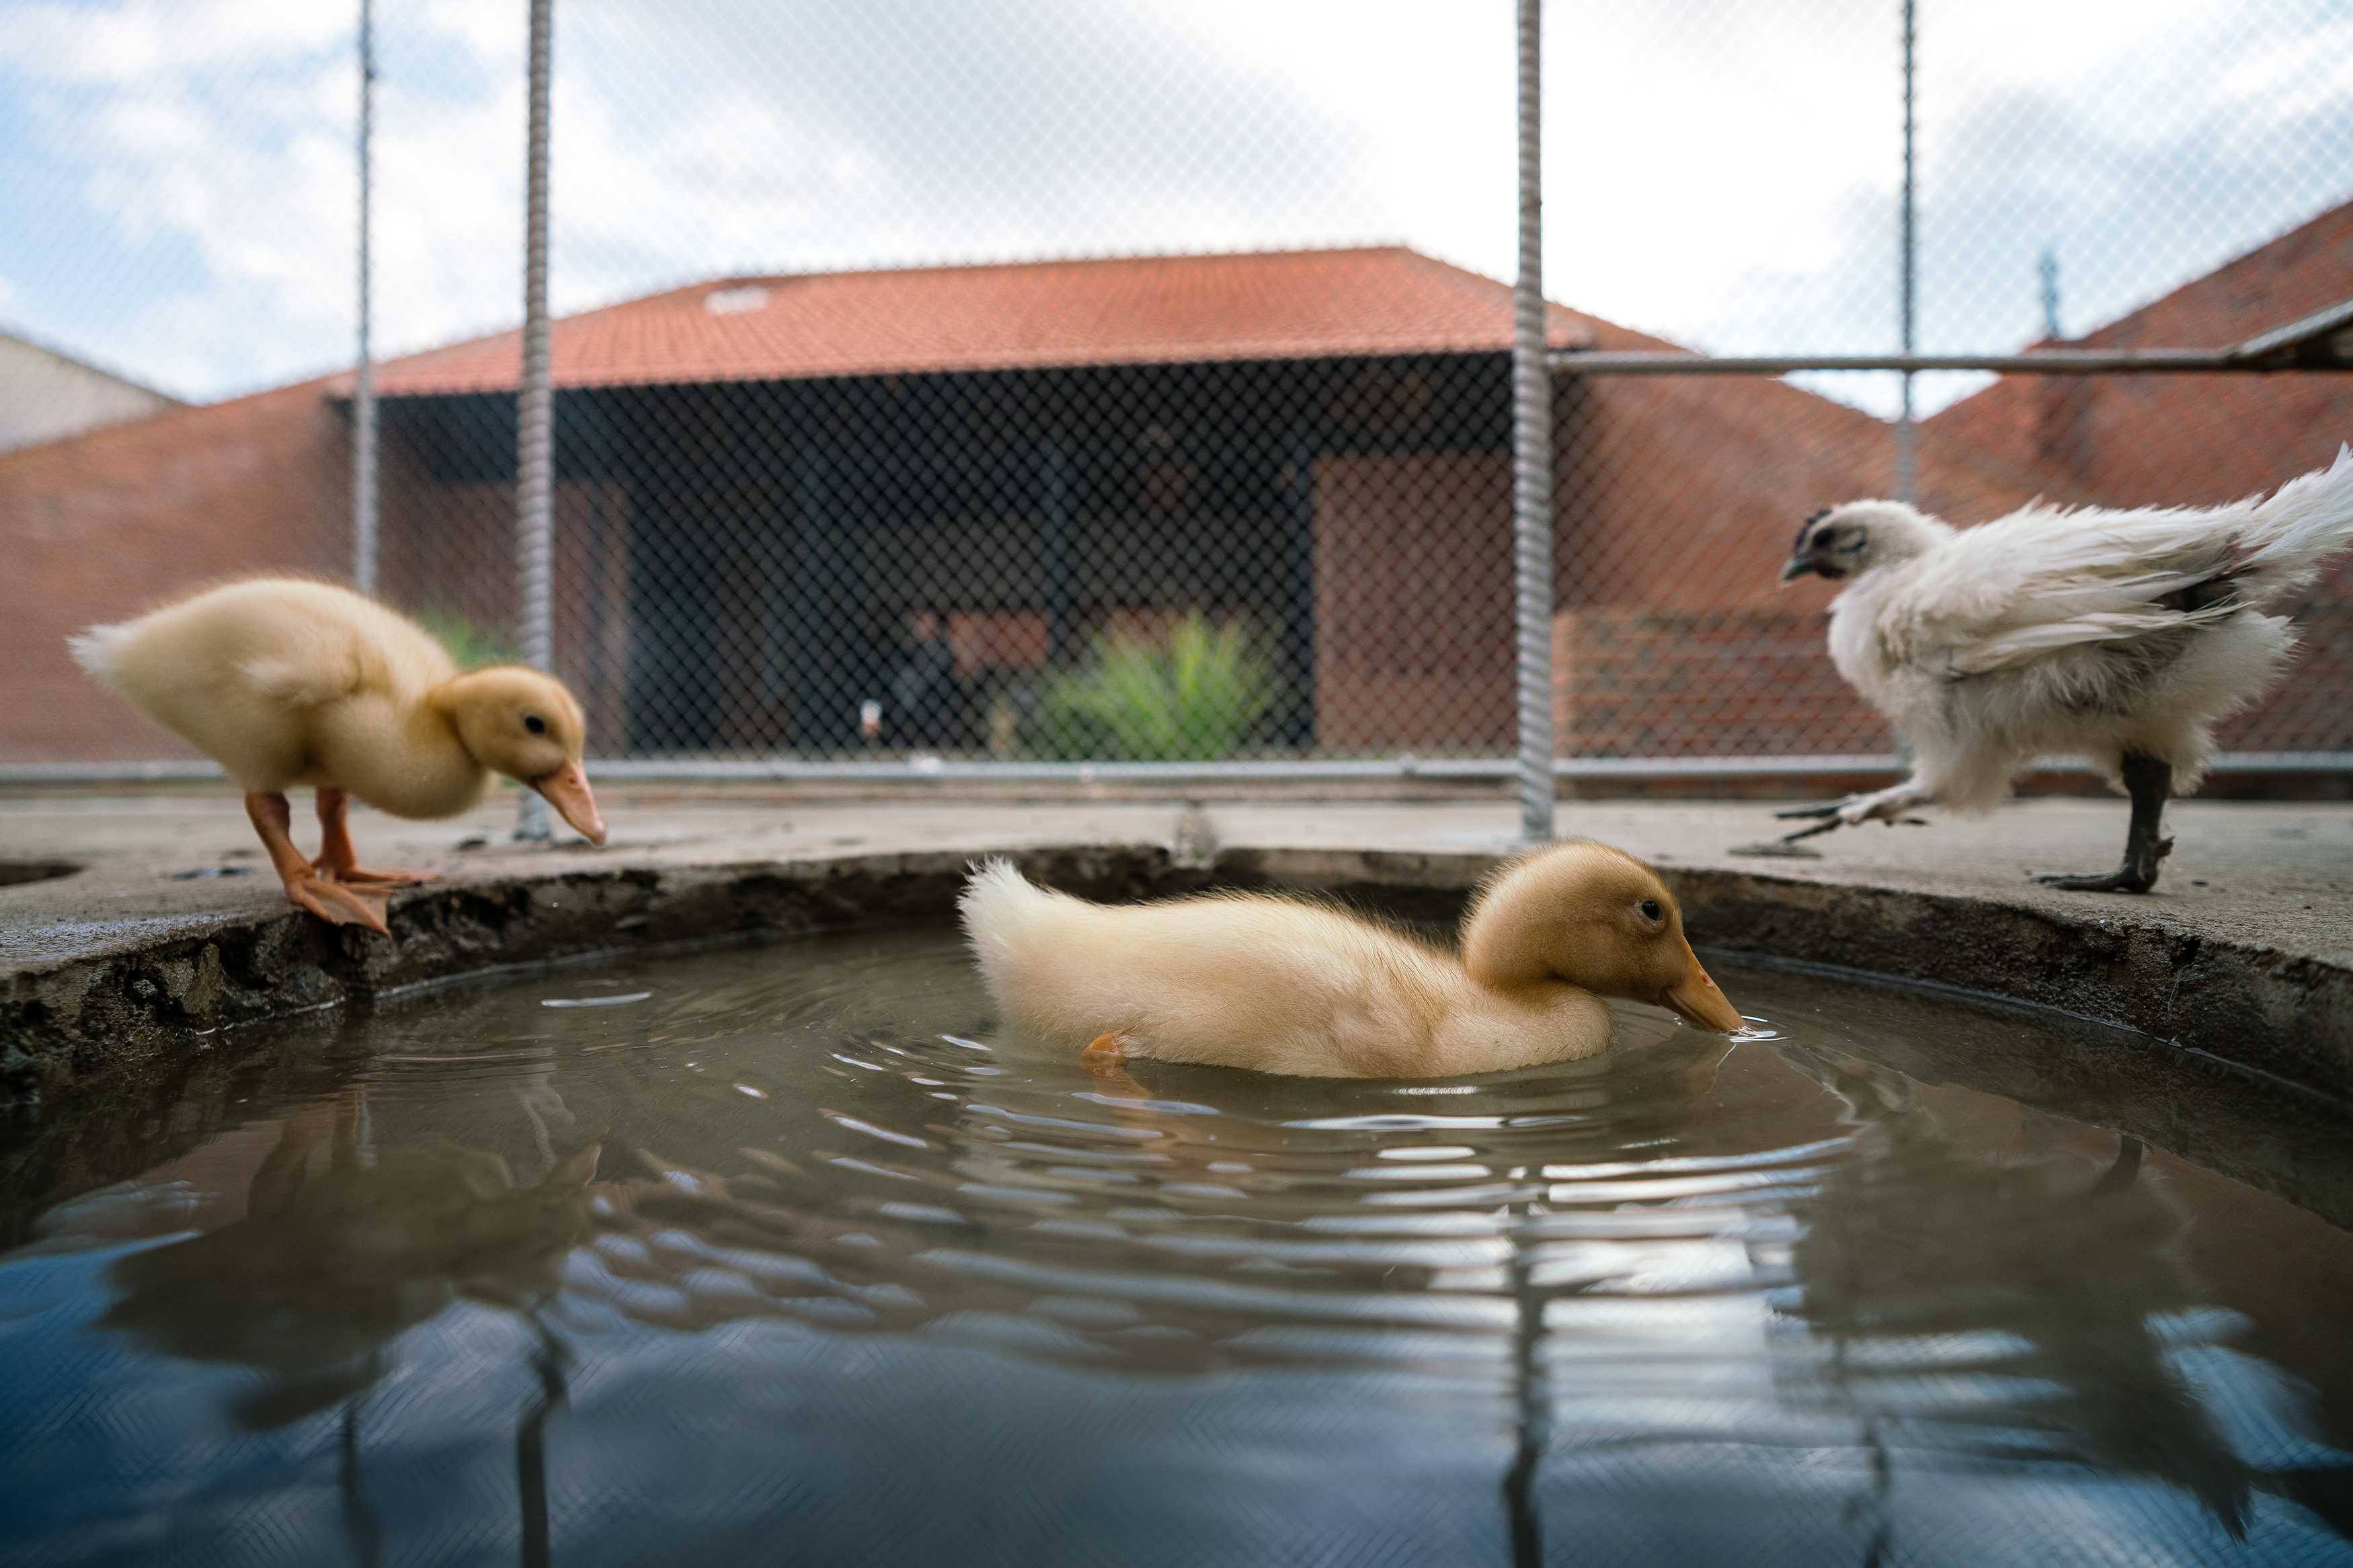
x,y
151,866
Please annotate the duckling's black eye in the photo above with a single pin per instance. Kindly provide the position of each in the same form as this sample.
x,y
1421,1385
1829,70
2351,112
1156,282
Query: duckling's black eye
x,y
534,723
1649,910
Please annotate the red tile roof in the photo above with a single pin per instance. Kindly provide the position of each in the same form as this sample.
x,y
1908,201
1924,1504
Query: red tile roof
x,y
2188,440
1158,310
1741,461
2181,440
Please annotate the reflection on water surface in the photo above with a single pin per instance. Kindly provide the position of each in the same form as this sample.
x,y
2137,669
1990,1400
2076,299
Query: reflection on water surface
x,y
703,1256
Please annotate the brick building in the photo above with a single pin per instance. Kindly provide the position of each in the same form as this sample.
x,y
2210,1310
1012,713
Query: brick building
x,y
102,525
2150,441
762,482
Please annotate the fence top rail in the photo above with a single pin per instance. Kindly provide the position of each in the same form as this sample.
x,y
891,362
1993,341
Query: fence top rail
x,y
2048,362
2324,331
2322,341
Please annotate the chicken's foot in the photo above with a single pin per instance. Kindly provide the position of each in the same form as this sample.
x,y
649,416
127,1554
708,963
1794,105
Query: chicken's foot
x,y
2149,780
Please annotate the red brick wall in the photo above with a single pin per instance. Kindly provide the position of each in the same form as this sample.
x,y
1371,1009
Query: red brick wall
x,y
2311,709
111,523
1683,493
1635,681
451,549
1678,501
1413,602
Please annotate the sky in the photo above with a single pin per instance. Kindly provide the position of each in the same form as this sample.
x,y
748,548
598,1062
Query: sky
x,y
180,186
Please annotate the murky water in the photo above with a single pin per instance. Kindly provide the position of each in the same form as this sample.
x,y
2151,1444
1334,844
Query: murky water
x,y
789,1255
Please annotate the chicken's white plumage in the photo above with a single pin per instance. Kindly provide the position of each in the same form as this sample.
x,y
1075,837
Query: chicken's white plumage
x,y
2108,634
2045,578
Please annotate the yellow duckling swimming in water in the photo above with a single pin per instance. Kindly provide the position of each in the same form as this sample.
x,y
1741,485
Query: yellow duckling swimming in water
x,y
1285,986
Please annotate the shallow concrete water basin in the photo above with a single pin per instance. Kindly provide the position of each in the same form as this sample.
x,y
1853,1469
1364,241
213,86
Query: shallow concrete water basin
x,y
648,1256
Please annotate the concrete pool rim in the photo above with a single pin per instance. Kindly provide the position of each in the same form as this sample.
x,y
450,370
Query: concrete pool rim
x,y
123,1002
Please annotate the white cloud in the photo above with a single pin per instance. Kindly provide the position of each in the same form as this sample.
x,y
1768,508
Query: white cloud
x,y
495,36
1718,173
146,39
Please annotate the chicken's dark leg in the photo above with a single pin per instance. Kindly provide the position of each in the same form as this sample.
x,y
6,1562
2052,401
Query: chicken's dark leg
x,y
2122,1174
2148,781
336,856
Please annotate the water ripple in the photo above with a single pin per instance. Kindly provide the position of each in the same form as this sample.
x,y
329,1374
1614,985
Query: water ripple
x,y
1773,1241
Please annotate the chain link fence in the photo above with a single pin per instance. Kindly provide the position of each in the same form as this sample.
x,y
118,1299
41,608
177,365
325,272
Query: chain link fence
x,y
1072,383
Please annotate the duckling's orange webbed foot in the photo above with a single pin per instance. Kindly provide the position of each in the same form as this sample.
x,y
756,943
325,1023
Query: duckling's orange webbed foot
x,y
338,862
1104,1053
339,905
358,876
321,896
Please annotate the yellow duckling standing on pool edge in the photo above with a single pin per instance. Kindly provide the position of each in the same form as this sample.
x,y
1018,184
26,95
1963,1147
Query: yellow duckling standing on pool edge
x,y
1286,985
287,683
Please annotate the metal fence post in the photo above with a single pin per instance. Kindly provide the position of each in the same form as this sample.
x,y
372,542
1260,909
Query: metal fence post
x,y
535,442
1532,455
363,417
1908,433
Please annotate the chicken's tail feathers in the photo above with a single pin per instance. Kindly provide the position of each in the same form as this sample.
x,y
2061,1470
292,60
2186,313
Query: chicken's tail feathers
x,y
2291,535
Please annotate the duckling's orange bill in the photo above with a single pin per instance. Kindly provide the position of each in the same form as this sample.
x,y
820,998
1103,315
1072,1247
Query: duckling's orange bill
x,y
1697,1001
567,789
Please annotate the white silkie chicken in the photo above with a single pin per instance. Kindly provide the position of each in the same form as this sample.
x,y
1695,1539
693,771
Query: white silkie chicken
x,y
2121,636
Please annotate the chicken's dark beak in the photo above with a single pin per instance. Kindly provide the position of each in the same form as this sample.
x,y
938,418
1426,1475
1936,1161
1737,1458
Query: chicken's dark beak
x,y
1797,566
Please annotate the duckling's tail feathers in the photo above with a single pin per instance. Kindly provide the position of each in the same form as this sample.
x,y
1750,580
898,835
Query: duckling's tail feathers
x,y
95,650
998,900
1004,915
995,881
